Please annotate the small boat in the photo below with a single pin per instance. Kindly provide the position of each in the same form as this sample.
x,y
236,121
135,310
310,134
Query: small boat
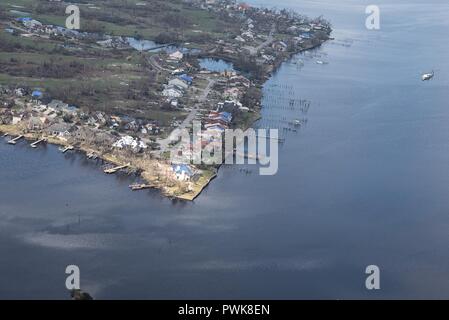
x,y
427,76
320,62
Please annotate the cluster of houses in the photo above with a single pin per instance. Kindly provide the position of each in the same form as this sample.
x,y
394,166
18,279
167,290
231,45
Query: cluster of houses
x,y
36,27
215,124
179,84
114,42
234,87
64,121
256,24
40,118
248,32
232,7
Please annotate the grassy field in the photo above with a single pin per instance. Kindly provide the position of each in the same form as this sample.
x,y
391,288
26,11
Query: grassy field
x,y
111,80
124,17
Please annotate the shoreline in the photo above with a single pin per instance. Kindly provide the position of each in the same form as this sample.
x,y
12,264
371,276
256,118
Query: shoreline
x,y
143,166
170,192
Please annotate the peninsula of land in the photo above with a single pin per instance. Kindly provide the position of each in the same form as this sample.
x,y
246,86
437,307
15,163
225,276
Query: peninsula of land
x,y
137,70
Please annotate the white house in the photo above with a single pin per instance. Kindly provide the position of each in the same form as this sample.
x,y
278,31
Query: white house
x,y
172,92
182,172
240,39
128,141
178,82
176,55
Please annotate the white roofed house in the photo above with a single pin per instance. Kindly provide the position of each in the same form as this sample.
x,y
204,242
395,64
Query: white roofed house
x,y
31,24
178,55
60,130
179,83
182,172
174,102
130,142
17,119
292,30
232,93
239,80
280,46
62,107
178,72
101,118
248,35
240,39
268,58
35,124
172,91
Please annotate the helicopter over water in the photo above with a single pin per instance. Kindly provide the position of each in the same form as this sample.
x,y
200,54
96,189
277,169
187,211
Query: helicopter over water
x,y
428,76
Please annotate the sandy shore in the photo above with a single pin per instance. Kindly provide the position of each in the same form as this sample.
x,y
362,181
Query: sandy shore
x,y
152,171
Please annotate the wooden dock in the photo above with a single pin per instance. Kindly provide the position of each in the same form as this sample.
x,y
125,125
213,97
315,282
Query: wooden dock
x,y
270,138
14,141
246,155
115,169
137,187
67,149
92,156
35,144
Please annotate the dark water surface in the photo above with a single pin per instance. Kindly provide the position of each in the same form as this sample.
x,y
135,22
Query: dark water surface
x,y
366,181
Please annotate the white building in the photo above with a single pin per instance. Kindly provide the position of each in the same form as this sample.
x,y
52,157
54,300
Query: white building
x,y
128,141
176,55
172,92
178,82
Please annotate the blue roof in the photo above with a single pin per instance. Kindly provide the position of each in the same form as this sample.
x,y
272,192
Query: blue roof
x,y
36,93
22,19
226,116
180,168
186,78
306,35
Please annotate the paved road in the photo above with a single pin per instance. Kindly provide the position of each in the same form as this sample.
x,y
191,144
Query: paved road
x,y
152,61
195,108
253,51
165,143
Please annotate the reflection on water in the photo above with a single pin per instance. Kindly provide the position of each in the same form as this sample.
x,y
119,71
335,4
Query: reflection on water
x,y
365,181
216,65
149,45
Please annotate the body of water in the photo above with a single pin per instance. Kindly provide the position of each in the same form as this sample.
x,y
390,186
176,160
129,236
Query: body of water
x,y
364,181
149,45
216,65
